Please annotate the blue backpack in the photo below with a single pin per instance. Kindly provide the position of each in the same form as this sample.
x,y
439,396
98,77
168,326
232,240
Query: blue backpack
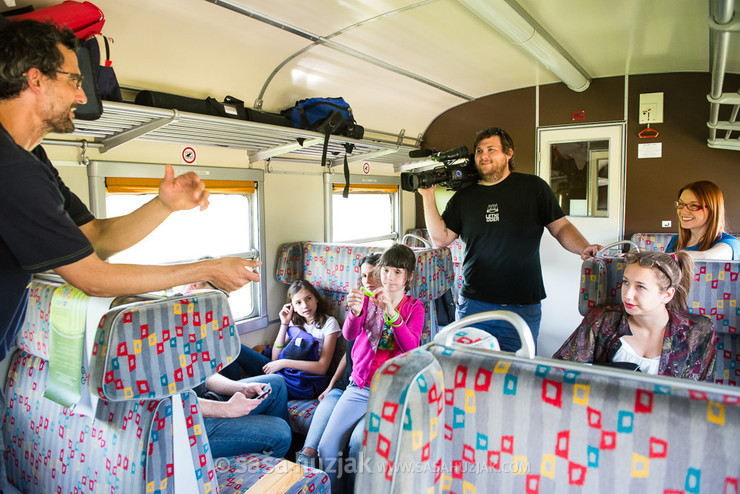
x,y
312,114
302,385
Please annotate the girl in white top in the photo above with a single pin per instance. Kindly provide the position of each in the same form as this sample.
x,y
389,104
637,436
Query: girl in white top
x,y
307,310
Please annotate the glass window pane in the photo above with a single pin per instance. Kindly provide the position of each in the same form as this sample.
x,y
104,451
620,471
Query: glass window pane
x,y
361,216
222,229
579,176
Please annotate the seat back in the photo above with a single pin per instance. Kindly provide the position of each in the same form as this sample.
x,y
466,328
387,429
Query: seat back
x,y
652,241
143,354
457,252
714,293
511,424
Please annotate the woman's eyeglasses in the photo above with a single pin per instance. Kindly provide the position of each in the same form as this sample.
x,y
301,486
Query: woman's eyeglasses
x,y
691,206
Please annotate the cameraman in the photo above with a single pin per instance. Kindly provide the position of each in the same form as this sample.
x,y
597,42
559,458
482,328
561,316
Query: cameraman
x,y
501,219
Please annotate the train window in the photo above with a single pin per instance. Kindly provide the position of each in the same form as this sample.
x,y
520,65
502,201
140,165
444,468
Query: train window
x,y
370,213
229,226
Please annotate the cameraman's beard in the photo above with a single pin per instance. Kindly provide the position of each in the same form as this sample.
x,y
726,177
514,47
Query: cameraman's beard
x,y
493,173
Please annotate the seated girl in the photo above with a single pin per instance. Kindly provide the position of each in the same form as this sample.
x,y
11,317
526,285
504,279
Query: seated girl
x,y
308,311
651,327
701,224
383,325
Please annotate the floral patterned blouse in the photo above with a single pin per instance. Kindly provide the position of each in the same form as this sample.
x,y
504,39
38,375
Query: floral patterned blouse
x,y
689,342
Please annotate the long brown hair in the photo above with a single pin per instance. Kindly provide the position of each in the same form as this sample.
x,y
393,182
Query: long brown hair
x,y
672,270
322,308
711,198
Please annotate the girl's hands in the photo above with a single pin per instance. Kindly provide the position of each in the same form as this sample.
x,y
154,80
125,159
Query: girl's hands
x,y
383,301
355,299
273,366
286,313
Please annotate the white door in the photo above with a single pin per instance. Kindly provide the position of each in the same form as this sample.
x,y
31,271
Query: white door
x,y
585,167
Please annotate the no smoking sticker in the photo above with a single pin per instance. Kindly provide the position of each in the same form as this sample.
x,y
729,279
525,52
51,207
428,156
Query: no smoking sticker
x,y
366,168
189,155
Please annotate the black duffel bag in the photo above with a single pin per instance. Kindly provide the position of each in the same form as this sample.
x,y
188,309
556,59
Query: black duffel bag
x,y
230,107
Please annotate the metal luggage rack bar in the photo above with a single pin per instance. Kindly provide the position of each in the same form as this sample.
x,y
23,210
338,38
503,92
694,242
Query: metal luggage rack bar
x,y
124,122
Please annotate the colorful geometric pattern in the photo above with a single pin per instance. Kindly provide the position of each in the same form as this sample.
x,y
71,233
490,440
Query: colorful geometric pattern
x,y
457,251
155,349
301,413
652,241
601,282
236,475
51,449
34,334
127,447
403,445
541,426
715,293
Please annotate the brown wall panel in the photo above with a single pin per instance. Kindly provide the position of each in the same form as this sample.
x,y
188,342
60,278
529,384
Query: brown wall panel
x,y
651,184
603,101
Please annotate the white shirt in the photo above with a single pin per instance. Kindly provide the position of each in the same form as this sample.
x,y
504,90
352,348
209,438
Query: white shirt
x,y
330,326
627,354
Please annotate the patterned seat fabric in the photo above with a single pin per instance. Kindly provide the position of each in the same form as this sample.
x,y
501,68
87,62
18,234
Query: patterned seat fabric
x,y
144,355
509,424
715,293
652,241
457,251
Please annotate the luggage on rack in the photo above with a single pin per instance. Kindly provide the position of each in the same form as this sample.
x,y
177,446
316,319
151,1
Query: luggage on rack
x,y
93,107
230,107
83,18
322,114
100,48
260,116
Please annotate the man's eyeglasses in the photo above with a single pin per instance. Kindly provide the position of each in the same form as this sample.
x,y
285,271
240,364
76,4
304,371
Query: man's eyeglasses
x,y
691,206
76,78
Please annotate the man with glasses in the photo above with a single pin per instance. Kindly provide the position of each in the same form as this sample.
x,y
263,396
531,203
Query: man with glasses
x,y
43,224
501,219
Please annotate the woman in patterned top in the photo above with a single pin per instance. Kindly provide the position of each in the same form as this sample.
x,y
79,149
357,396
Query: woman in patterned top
x,y
651,327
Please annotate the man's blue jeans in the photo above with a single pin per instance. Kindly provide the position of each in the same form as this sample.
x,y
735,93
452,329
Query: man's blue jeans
x,y
264,430
508,338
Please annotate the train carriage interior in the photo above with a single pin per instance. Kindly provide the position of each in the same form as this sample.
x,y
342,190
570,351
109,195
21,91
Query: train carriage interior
x,y
615,104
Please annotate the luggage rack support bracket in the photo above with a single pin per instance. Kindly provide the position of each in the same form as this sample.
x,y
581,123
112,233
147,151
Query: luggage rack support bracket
x,y
339,160
284,149
135,132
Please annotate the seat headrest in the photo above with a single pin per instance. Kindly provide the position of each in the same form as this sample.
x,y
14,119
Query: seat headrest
x,y
153,349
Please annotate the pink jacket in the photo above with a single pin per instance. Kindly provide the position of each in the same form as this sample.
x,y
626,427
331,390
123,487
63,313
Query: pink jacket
x,y
407,337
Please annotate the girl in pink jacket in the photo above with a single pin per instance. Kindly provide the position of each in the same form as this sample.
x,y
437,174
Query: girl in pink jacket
x,y
384,323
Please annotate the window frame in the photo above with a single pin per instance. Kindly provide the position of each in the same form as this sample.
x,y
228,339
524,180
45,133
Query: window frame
x,y
396,201
98,171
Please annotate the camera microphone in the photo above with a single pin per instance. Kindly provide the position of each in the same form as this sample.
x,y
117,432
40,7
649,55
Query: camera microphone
x,y
421,153
452,154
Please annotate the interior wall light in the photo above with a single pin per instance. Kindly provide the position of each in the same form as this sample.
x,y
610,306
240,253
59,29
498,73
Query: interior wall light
x,y
512,21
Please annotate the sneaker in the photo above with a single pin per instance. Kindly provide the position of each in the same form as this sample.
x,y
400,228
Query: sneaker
x,y
307,461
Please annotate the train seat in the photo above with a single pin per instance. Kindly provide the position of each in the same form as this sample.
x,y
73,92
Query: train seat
x,y
714,293
457,251
652,241
137,426
335,268
456,418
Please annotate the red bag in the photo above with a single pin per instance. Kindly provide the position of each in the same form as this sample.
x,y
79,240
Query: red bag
x,y
83,18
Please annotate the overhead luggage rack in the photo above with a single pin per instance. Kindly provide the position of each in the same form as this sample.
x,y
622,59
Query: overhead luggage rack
x,y
124,122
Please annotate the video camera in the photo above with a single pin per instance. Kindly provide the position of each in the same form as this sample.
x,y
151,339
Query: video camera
x,y
451,175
